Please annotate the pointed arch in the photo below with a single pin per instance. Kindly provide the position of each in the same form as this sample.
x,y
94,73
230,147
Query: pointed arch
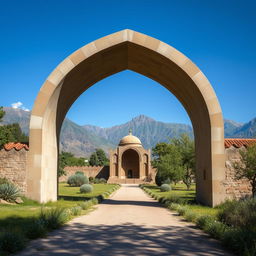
x,y
109,55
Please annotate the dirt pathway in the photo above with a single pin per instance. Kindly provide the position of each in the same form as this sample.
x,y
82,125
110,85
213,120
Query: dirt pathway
x,y
129,223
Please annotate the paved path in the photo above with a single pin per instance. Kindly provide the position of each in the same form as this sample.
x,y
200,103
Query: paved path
x,y
129,223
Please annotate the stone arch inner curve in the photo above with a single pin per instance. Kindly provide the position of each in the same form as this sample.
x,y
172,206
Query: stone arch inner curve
x,y
130,164
109,55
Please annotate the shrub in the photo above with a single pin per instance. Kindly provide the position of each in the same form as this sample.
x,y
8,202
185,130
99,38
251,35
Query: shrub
x,y
215,228
86,188
167,181
96,181
94,201
173,206
36,229
176,199
76,210
4,181
53,218
79,173
91,179
239,214
190,216
203,220
241,241
77,180
102,181
11,242
9,192
182,210
165,187
86,205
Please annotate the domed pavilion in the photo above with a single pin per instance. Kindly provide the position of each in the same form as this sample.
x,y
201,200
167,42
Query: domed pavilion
x,y
130,162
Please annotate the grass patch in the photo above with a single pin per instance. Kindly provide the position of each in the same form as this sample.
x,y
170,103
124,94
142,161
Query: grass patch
x,y
32,220
233,222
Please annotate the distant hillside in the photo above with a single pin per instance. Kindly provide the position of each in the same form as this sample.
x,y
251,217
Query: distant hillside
x,y
17,116
248,130
79,141
147,129
73,138
230,127
83,140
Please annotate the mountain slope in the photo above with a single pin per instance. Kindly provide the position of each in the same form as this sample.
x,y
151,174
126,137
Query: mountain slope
x,y
73,137
147,129
80,142
17,116
248,130
83,140
230,127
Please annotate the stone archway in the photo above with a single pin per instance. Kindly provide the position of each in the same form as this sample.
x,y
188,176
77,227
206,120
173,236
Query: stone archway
x,y
130,164
104,57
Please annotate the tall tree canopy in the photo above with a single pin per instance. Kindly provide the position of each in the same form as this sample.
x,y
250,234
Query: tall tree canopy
x,y
98,158
175,160
11,132
68,159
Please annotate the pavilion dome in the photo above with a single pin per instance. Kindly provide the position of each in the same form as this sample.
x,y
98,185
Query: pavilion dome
x,y
130,140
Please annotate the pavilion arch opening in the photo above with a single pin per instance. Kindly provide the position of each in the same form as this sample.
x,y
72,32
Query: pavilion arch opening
x,y
130,164
109,55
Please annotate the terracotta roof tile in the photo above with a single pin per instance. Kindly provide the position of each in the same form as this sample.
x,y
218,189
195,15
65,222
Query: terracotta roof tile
x,y
15,145
238,143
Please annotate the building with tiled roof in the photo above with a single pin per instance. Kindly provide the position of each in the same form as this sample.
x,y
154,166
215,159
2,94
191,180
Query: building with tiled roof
x,y
235,142
238,143
16,145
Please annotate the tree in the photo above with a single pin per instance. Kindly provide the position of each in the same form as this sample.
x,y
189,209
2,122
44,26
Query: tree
x,y
2,113
161,149
5,135
10,132
246,167
68,159
169,168
102,158
93,161
167,160
186,148
98,158
17,134
175,160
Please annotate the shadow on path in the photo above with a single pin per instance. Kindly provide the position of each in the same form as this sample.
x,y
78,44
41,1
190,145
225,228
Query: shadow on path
x,y
126,239
131,202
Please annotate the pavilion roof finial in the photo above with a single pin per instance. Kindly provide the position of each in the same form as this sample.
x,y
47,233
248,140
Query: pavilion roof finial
x,y
130,131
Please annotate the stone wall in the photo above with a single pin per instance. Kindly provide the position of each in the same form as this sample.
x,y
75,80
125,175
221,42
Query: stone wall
x,y
235,188
13,161
13,166
89,171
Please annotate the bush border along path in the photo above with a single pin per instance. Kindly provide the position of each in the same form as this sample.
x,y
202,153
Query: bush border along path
x,y
239,241
15,239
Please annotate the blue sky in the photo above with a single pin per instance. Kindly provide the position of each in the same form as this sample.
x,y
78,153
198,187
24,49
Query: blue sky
x,y
219,36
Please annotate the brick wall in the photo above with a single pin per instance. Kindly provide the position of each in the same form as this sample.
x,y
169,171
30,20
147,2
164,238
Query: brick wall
x,y
235,188
89,171
13,166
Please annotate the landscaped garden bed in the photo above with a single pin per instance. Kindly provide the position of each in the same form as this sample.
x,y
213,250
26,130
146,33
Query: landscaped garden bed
x,y
233,222
30,220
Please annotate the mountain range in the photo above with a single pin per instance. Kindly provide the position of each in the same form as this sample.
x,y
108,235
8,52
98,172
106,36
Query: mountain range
x,y
83,140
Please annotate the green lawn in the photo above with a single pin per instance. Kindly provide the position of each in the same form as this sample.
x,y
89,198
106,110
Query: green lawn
x,y
20,215
181,191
